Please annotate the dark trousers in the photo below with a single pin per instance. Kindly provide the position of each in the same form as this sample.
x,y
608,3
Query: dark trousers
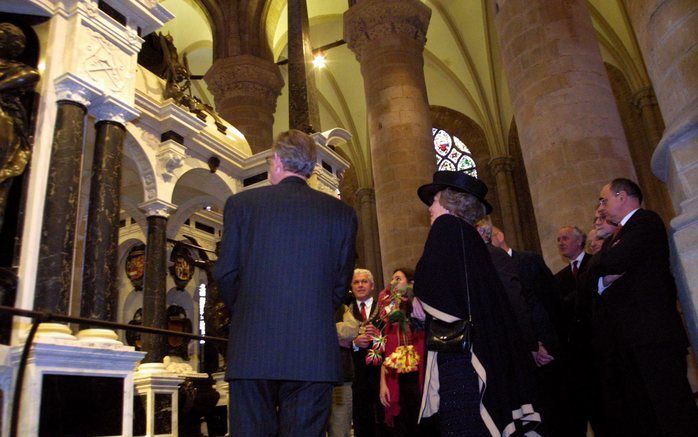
x,y
262,408
645,392
367,412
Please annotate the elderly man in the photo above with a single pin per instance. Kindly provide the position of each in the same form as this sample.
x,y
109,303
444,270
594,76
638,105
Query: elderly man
x,y
368,411
581,381
638,334
282,289
542,298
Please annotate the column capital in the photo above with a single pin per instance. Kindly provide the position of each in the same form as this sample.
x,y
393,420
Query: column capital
x,y
371,21
366,195
501,164
157,208
644,97
72,88
112,109
245,75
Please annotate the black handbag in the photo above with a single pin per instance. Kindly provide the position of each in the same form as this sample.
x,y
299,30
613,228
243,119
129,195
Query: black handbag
x,y
453,336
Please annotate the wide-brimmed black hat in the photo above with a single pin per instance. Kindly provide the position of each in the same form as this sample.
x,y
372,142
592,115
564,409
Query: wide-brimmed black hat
x,y
458,181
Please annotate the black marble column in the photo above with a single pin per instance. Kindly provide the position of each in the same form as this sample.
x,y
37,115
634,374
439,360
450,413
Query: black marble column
x,y
154,290
99,292
303,109
55,267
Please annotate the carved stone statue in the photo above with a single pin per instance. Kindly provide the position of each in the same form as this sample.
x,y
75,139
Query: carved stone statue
x,y
16,79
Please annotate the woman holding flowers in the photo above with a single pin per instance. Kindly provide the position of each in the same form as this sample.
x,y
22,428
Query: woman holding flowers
x,y
475,372
402,323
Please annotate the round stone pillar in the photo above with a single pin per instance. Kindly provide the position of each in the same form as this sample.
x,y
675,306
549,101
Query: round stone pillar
x,y
154,279
99,284
55,268
502,168
666,32
366,209
245,89
645,102
572,138
388,38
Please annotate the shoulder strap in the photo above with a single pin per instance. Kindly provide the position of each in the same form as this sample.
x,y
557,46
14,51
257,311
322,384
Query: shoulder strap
x,y
465,268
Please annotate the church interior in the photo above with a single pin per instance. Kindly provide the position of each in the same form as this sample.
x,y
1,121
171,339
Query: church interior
x,y
126,124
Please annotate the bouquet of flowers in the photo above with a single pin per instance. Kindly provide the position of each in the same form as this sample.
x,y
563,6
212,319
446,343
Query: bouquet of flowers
x,y
393,319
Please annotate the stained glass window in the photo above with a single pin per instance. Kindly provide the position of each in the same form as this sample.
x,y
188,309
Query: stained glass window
x,y
452,154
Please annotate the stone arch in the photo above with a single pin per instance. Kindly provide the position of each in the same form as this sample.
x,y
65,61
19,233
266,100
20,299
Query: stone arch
x,y
126,298
640,144
529,235
458,124
137,153
193,190
189,207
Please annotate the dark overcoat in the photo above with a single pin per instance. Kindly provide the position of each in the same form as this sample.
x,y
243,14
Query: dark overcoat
x,y
286,261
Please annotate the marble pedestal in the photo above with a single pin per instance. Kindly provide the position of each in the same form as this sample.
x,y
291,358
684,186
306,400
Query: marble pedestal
x,y
222,387
61,362
156,392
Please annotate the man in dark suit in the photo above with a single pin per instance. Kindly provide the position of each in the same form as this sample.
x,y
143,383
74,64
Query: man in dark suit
x,y
286,261
367,409
582,381
541,294
638,334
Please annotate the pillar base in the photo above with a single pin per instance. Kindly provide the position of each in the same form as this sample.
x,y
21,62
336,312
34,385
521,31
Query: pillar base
x,y
103,336
52,331
90,379
156,403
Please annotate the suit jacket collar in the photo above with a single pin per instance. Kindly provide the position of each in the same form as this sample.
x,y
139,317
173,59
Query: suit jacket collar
x,y
637,215
293,180
357,314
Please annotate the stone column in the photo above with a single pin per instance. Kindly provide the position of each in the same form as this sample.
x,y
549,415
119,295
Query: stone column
x,y
303,109
572,138
666,33
366,208
502,168
55,267
154,279
656,194
99,287
388,38
245,89
645,102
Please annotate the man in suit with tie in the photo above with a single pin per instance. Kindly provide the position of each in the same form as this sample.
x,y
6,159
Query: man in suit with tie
x,y
367,409
638,334
581,380
286,260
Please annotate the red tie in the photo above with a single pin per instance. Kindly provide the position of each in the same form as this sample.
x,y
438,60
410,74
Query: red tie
x,y
575,270
363,311
615,232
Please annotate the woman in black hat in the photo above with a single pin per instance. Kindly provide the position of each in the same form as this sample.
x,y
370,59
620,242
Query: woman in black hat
x,y
476,378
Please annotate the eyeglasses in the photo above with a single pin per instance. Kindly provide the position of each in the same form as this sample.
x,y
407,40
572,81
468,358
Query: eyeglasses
x,y
603,201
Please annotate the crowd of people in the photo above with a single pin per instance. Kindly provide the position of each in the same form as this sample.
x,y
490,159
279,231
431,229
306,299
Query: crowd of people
x,y
478,340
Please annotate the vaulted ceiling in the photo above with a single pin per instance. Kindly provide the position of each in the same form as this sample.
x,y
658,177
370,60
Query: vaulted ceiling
x,y
462,67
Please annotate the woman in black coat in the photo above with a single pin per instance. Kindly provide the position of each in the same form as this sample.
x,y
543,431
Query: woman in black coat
x,y
485,390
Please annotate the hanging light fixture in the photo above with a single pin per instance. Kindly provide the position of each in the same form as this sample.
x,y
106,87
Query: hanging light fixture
x,y
319,60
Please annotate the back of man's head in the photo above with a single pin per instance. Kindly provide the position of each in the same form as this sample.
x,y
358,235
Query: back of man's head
x,y
484,228
631,188
297,152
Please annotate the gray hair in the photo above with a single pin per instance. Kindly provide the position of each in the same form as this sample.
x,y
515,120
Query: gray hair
x,y
364,272
484,227
463,205
297,151
578,233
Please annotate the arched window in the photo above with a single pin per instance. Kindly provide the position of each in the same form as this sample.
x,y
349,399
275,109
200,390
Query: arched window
x,y
452,154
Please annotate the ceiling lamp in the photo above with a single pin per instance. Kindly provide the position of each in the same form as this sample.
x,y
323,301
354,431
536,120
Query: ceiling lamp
x,y
319,60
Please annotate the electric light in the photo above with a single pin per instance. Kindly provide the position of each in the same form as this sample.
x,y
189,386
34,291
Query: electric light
x,y
319,60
